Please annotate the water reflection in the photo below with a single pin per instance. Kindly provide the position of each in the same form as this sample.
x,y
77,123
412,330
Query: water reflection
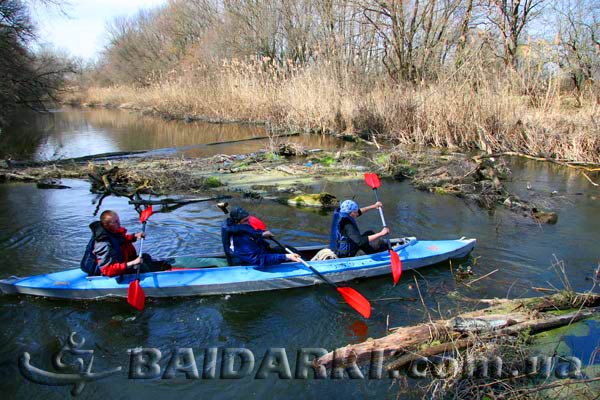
x,y
73,133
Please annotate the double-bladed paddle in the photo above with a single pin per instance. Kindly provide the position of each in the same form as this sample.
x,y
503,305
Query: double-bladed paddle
x,y
351,296
135,293
372,180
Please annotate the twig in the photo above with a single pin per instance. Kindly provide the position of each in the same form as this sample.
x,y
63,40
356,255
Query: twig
x,y
510,288
542,289
544,387
589,179
553,287
480,278
393,298
423,301
571,164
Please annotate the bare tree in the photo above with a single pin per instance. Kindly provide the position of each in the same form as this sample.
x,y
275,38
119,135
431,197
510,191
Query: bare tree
x,y
28,78
578,40
510,18
415,34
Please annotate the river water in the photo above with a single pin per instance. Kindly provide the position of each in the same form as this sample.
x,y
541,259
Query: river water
x,y
43,231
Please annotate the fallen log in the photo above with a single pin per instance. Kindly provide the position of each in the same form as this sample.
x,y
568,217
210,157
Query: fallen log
x,y
9,176
82,159
51,185
406,344
136,153
253,139
169,201
41,183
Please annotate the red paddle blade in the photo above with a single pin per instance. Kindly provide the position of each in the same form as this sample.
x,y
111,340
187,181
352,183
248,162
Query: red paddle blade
x,y
136,296
144,215
356,301
396,266
372,180
256,223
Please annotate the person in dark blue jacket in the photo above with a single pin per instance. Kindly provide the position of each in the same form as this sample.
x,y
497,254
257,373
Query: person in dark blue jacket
x,y
245,245
346,239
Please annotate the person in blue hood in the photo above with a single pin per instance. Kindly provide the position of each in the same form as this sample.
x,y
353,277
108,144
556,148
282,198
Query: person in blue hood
x,y
245,245
346,239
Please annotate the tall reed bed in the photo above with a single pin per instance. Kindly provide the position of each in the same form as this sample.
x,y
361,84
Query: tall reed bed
x,y
522,112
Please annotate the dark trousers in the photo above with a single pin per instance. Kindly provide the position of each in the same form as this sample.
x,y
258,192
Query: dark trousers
x,y
150,265
375,246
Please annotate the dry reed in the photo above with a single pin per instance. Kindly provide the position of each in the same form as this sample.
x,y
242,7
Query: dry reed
x,y
519,112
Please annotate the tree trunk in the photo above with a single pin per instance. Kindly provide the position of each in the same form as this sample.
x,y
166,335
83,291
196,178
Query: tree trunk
x,y
406,344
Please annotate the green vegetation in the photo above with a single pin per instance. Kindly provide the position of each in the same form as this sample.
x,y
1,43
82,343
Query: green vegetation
x,y
212,182
432,343
382,159
405,170
327,161
318,200
271,156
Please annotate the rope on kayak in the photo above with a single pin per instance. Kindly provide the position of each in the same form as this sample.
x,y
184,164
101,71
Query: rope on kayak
x,y
324,254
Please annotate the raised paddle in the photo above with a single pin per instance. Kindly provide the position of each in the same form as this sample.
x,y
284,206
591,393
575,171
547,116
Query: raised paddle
x,y
372,180
135,294
351,296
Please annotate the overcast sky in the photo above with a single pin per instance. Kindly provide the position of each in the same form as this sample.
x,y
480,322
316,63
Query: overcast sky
x,y
82,32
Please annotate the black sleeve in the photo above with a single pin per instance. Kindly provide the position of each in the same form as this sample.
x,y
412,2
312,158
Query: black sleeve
x,y
353,234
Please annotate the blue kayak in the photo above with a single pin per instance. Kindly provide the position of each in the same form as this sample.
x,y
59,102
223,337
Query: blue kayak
x,y
209,274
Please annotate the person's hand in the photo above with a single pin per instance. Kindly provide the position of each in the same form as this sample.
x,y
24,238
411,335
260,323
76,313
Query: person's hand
x,y
378,205
267,234
293,257
135,262
385,231
139,235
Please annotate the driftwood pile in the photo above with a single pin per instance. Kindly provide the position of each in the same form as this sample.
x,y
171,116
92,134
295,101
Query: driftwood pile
x,y
503,318
114,181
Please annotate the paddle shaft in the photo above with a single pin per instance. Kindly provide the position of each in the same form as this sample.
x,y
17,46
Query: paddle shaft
x,y
379,208
138,267
320,275
352,297
389,246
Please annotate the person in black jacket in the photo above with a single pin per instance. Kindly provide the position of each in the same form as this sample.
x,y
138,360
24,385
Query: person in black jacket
x,y
346,239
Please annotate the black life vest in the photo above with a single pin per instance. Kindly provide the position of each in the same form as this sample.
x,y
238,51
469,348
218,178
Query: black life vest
x,y
89,263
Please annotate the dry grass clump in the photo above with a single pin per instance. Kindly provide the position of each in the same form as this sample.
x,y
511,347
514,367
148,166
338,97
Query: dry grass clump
x,y
494,114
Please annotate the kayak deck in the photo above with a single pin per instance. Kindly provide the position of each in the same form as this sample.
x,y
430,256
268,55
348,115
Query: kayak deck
x,y
200,277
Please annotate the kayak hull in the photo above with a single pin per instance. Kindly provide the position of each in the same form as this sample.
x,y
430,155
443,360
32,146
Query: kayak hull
x,y
75,284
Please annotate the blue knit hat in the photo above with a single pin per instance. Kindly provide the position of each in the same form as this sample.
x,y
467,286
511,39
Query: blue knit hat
x,y
348,206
